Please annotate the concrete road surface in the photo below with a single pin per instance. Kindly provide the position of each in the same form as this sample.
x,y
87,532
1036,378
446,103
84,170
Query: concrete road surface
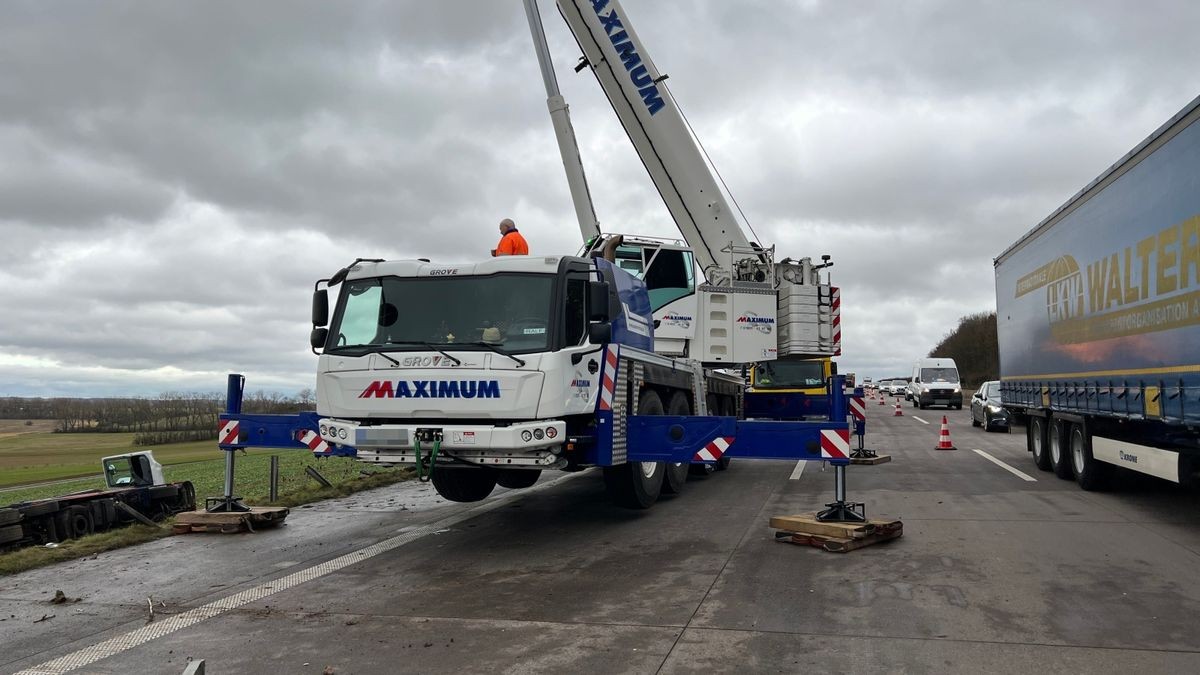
x,y
1002,568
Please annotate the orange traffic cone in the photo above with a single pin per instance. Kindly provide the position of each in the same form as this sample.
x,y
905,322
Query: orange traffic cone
x,y
944,437
899,412
881,401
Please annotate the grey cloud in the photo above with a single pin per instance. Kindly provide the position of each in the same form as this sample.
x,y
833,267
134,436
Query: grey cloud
x,y
179,176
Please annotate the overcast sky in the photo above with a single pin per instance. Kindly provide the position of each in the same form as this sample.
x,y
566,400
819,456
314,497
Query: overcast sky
x,y
174,176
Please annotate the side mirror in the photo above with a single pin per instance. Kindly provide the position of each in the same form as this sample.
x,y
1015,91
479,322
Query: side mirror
x,y
317,338
833,368
320,308
598,301
599,333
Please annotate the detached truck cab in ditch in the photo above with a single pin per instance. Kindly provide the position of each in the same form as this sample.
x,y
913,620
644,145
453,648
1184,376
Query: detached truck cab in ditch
x,y
1098,315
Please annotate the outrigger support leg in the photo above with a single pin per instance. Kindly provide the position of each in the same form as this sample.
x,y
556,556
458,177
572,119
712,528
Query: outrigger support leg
x,y
228,502
861,452
840,510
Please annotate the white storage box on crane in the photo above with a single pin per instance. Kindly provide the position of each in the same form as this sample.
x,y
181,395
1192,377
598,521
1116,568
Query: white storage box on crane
x,y
739,323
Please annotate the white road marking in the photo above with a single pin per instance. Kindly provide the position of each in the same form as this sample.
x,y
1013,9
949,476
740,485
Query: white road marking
x,y
918,419
798,470
140,636
1019,474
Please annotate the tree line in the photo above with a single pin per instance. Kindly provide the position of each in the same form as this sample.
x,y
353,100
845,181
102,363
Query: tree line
x,y
974,347
171,417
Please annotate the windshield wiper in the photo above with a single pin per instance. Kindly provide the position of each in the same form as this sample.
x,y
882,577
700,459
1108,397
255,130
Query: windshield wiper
x,y
520,362
429,345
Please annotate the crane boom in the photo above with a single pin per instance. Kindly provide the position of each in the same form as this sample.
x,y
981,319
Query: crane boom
x,y
660,136
560,117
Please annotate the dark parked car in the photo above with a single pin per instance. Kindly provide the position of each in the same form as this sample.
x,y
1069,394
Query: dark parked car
x,y
986,410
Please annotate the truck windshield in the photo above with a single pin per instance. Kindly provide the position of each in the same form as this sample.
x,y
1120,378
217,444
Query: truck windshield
x,y
939,375
787,373
509,311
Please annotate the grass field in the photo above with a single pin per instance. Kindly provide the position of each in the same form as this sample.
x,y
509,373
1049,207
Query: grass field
x,y
35,456
251,481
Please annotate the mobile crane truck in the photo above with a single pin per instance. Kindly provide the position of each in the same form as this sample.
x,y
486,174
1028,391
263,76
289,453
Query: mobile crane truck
x,y
486,374
1097,315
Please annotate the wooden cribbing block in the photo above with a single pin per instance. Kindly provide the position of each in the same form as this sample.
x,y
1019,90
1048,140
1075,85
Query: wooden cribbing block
x,y
837,537
228,522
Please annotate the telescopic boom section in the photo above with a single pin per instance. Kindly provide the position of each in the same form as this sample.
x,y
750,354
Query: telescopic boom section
x,y
560,116
659,134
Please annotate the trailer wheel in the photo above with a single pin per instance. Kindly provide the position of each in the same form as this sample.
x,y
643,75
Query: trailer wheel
x,y
1035,441
636,485
676,473
10,534
1059,437
75,522
515,479
464,485
1091,474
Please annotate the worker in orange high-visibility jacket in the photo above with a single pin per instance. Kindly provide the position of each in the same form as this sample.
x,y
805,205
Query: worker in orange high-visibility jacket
x,y
511,241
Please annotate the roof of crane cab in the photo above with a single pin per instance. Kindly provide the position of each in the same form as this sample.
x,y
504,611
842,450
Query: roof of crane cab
x,y
420,268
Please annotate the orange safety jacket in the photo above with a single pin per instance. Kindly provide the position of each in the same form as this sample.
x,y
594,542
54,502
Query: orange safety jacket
x,y
512,243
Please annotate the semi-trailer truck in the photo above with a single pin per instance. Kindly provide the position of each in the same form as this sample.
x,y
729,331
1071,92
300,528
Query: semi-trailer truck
x,y
1098,318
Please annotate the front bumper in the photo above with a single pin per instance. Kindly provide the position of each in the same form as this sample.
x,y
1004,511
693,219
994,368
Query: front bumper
x,y
941,398
535,443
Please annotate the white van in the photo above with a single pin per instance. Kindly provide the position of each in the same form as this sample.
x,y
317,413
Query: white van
x,y
935,382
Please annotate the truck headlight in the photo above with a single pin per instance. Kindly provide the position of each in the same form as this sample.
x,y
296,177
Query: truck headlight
x,y
958,390
526,436
342,434
539,434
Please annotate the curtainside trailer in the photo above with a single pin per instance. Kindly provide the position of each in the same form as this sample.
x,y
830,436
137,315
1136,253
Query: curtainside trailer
x,y
1098,318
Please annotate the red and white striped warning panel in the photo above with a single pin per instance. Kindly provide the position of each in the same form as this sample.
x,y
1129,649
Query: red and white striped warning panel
x,y
835,443
313,440
836,312
229,433
608,379
858,408
715,449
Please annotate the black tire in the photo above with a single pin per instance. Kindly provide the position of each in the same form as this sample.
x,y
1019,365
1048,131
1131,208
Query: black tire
x,y
516,479
11,533
1060,463
1091,474
636,485
701,469
464,485
728,408
975,422
9,516
75,522
1036,442
675,475
958,406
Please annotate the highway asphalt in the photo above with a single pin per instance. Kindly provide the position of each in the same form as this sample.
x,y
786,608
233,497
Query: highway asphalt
x,y
996,572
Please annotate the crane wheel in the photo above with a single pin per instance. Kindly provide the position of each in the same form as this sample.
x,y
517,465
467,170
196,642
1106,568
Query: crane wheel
x,y
463,484
676,474
515,479
636,485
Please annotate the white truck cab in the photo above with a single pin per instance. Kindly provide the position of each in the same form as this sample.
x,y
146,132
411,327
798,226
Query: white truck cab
x,y
935,381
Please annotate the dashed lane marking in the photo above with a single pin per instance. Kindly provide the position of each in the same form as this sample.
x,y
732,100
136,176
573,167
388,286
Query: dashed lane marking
x,y
796,472
918,419
134,638
1016,472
